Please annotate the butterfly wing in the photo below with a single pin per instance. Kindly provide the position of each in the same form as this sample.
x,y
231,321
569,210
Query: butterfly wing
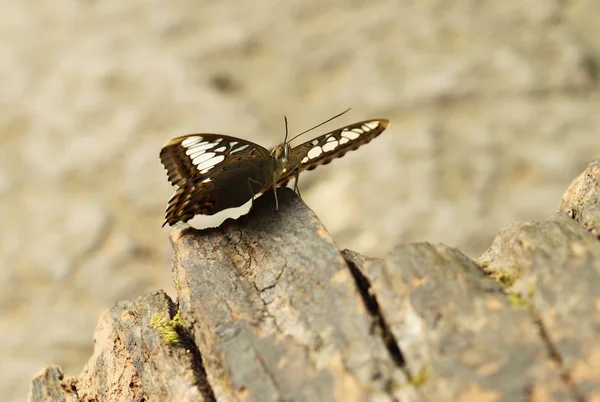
x,y
199,156
212,172
335,144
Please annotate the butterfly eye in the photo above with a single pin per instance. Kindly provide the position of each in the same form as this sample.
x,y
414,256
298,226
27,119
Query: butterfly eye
x,y
280,151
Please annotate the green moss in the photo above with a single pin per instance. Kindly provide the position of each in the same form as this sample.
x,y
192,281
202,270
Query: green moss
x,y
592,222
531,291
507,278
420,378
166,327
517,300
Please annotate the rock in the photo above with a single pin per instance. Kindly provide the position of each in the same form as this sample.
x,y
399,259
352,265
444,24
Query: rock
x,y
141,353
270,309
581,201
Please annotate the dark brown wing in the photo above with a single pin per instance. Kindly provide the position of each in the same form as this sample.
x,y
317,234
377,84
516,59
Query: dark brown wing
x,y
229,189
212,173
199,156
335,144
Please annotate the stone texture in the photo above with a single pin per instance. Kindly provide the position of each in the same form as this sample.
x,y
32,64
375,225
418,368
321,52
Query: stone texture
x,y
493,109
270,309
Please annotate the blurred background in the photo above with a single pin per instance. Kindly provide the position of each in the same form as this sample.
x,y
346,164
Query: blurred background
x,y
494,108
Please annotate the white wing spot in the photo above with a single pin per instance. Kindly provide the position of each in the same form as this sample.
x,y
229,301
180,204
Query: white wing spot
x,y
344,140
232,144
206,180
332,138
330,146
203,146
220,149
211,163
315,142
351,135
194,155
188,142
203,158
305,159
238,149
315,152
373,125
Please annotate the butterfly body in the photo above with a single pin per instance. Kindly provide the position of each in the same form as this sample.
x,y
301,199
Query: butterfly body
x,y
214,172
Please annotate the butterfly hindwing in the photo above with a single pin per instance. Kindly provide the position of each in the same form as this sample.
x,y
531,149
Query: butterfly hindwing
x,y
323,149
232,188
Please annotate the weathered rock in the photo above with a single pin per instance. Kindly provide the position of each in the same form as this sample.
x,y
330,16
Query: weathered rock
x,y
276,312
270,309
552,269
50,385
142,353
456,327
581,201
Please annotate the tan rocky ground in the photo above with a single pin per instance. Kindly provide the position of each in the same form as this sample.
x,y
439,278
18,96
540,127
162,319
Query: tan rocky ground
x,y
494,110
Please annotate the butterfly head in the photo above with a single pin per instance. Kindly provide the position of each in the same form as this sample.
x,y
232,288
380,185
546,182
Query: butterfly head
x,y
280,155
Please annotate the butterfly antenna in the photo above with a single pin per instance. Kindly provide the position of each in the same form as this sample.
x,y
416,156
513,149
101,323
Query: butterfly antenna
x,y
318,125
286,128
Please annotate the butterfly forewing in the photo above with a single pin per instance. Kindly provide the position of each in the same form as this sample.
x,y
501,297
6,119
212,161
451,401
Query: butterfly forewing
x,y
335,144
200,156
213,172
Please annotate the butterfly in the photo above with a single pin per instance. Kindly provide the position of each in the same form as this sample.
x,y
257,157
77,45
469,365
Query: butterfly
x,y
213,172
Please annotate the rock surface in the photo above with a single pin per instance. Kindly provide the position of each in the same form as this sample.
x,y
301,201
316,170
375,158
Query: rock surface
x,y
270,309
494,109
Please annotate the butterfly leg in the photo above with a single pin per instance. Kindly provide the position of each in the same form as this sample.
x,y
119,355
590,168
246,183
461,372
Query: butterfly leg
x,y
275,191
296,188
252,191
